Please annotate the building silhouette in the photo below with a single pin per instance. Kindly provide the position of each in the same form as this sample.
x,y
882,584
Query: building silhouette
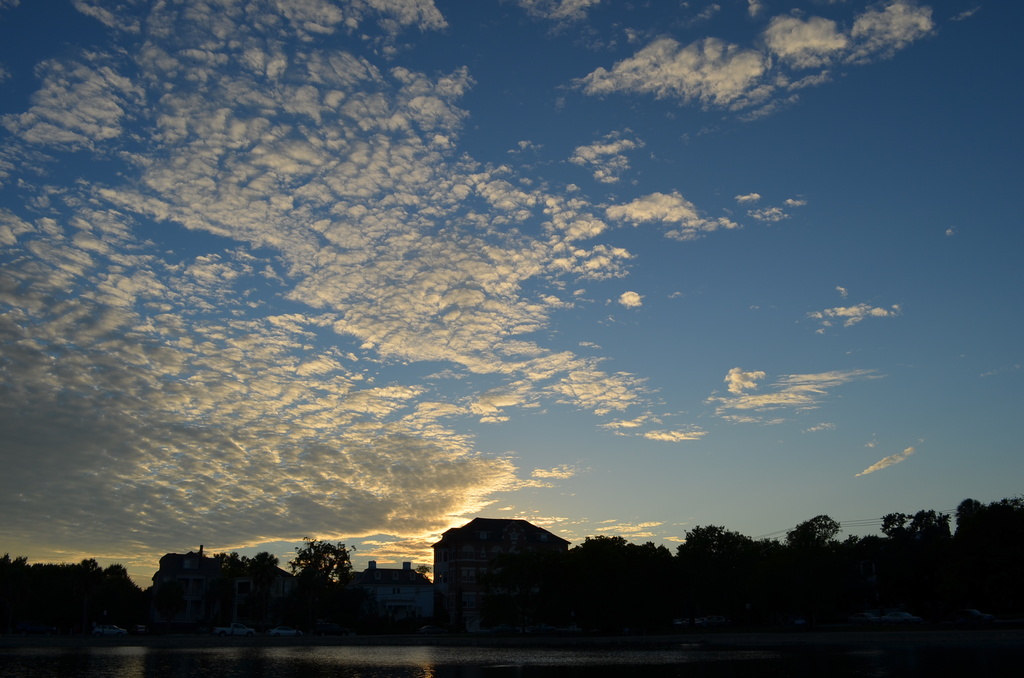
x,y
464,553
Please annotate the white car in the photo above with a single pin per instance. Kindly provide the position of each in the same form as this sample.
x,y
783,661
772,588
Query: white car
x,y
284,631
899,617
108,630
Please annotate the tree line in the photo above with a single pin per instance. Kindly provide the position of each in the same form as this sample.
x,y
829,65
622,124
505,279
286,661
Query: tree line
x,y
71,598
918,563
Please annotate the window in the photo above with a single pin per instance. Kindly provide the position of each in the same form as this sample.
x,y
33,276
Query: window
x,y
468,574
469,601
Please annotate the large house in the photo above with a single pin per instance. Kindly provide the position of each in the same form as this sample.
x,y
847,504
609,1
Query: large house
x,y
194,572
464,553
397,593
252,605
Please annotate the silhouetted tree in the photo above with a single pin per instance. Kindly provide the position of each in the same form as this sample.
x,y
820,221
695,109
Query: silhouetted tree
x,y
119,600
816,573
14,588
169,600
715,567
262,569
88,577
324,570
987,550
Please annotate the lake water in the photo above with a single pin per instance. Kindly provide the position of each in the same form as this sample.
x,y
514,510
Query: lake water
x,y
463,662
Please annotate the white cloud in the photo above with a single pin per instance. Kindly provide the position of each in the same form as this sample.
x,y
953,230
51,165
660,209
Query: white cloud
x,y
254,380
797,392
711,72
606,158
740,381
887,462
674,436
881,32
748,198
803,43
851,315
671,208
631,300
559,472
558,10
716,74
966,14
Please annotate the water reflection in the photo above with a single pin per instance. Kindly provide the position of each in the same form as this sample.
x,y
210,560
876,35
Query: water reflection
x,y
461,662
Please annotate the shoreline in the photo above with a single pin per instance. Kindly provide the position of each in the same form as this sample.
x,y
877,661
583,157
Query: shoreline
x,y
724,640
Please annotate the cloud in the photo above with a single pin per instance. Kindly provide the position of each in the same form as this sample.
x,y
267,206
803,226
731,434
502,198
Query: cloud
x,y
824,426
775,214
966,14
887,462
674,436
558,10
716,74
882,31
740,381
606,158
795,392
559,472
222,338
673,209
631,300
851,315
750,197
711,72
803,43
842,291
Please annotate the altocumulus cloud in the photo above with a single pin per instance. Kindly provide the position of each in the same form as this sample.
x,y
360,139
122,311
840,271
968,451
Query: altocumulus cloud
x,y
241,386
791,52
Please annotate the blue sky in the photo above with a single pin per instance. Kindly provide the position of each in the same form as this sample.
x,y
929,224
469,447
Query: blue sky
x,y
362,270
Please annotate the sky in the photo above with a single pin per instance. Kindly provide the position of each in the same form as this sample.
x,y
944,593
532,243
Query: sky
x,y
362,270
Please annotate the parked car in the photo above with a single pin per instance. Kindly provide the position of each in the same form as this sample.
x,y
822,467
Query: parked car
x,y
972,617
900,617
502,628
283,631
108,630
716,620
234,629
329,629
429,629
140,629
863,618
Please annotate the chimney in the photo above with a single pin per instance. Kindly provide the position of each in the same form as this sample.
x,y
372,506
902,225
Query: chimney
x,y
200,550
406,566
373,564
